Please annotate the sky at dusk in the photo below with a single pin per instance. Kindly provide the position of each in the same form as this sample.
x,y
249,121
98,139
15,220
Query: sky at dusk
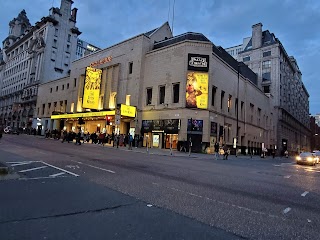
x,y
225,22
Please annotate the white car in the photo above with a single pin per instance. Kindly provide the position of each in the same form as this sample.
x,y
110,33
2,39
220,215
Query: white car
x,y
317,154
7,129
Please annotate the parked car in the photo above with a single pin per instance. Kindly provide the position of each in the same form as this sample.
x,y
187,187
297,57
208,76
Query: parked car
x,y
307,158
15,131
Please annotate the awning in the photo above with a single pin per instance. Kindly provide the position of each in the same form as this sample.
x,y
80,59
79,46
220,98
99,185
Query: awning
x,y
85,114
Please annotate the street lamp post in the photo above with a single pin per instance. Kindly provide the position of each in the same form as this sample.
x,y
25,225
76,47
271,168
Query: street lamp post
x,y
237,113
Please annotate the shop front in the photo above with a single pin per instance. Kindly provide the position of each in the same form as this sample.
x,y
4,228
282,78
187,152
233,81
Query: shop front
x,y
161,133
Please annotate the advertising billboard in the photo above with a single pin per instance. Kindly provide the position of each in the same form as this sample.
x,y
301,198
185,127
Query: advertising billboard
x,y
128,111
197,90
91,92
198,62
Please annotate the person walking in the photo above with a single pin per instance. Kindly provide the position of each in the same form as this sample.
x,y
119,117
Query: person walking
x,y
216,150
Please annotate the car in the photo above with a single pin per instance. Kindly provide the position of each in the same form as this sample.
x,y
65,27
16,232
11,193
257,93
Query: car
x,y
15,131
7,130
317,154
307,158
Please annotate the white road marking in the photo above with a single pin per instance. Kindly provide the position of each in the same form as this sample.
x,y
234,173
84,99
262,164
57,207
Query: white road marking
x,y
149,205
76,175
304,194
57,174
32,169
276,165
286,210
221,202
20,164
103,169
288,176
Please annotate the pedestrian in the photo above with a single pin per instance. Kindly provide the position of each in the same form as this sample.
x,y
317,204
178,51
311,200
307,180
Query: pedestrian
x,y
216,150
78,137
273,153
130,141
226,151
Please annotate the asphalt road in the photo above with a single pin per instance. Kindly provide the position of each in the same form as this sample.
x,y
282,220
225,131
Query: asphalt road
x,y
239,198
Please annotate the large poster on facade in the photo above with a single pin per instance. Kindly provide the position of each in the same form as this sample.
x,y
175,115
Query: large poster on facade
x,y
91,92
197,90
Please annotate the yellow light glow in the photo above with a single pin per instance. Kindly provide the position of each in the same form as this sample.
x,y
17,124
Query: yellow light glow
x,y
128,111
92,88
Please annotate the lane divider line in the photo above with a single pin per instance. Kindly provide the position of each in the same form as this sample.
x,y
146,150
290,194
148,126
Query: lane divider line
x,y
304,194
286,210
57,174
20,164
76,175
32,169
103,169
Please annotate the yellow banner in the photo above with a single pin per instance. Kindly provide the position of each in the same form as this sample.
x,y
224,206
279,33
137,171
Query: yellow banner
x,y
91,92
128,111
87,114
197,90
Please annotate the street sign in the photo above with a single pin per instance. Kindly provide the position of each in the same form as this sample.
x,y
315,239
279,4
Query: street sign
x,y
117,121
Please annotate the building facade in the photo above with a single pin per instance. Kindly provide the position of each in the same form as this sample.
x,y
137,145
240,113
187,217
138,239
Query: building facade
x,y
84,48
280,78
32,55
181,89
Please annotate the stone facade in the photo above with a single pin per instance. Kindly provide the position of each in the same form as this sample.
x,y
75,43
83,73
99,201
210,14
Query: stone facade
x,y
158,61
279,77
34,55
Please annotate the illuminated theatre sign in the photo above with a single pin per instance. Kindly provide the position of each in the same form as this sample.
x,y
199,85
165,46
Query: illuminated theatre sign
x,y
101,61
197,81
91,90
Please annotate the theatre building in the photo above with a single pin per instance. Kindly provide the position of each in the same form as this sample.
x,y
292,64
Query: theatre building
x,y
173,91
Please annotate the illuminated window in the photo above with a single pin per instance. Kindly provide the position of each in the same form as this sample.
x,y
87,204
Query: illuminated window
x,y
128,100
72,107
229,103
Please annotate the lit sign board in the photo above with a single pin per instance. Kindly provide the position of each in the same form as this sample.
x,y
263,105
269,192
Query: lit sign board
x,y
101,61
87,114
197,90
91,91
197,62
128,111
91,48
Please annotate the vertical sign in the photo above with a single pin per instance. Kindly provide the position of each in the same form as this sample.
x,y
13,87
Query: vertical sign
x,y
91,92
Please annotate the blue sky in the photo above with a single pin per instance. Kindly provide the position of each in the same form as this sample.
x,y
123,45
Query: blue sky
x,y
225,22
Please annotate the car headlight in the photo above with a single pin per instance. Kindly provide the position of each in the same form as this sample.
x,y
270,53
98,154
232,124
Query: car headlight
x,y
309,159
298,158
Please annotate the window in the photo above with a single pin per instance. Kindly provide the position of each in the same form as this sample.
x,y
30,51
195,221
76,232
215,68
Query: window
x,y
149,96
222,98
128,99
68,48
62,86
130,67
49,108
57,87
246,59
214,90
50,90
69,37
242,113
43,108
176,92
266,54
54,43
266,89
75,82
56,32
162,92
67,85
266,76
229,103
266,64
72,107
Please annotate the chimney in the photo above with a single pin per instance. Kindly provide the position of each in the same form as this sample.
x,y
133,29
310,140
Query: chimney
x,y
256,35
74,14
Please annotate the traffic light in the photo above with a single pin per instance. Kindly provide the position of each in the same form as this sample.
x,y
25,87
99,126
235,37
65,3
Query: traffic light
x,y
81,121
108,119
